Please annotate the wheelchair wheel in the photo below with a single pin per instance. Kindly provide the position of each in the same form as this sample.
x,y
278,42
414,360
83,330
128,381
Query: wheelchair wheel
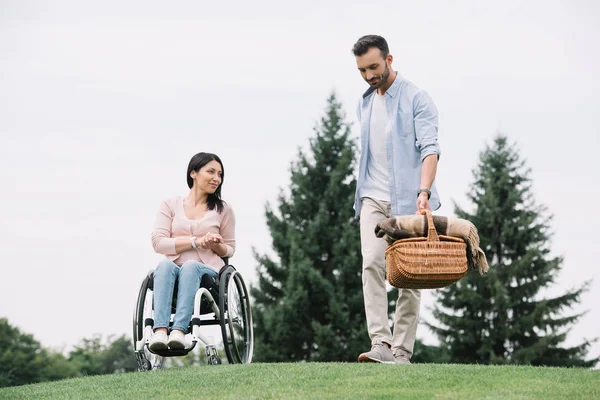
x,y
212,356
236,317
142,317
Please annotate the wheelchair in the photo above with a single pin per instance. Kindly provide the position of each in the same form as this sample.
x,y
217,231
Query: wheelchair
x,y
222,301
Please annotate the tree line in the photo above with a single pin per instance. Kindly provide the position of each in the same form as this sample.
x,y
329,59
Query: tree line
x,y
24,360
307,301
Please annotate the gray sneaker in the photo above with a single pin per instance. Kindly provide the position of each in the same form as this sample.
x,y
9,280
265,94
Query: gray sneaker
x,y
401,358
379,353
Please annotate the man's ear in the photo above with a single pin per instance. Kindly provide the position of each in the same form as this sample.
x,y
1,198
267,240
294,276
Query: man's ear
x,y
389,59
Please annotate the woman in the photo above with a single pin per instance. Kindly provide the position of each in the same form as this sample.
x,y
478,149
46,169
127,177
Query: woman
x,y
194,233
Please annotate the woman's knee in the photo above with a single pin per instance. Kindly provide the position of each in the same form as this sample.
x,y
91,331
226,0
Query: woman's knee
x,y
195,267
189,267
166,265
190,264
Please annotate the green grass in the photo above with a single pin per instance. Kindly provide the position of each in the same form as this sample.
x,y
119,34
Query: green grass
x,y
326,381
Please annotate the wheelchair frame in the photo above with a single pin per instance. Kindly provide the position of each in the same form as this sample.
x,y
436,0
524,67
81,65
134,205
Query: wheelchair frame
x,y
230,310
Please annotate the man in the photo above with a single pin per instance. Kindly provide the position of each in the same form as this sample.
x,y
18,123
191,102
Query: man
x,y
398,162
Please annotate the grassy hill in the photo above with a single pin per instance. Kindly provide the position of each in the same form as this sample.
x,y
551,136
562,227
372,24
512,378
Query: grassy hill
x,y
326,381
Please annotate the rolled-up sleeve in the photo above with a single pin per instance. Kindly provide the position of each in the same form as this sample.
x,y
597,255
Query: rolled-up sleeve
x,y
227,230
162,242
426,125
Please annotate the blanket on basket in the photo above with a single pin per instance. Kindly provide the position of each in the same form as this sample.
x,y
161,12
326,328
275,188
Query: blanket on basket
x,y
406,226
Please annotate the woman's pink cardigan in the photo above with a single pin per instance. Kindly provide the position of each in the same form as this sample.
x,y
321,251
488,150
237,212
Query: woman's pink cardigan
x,y
171,223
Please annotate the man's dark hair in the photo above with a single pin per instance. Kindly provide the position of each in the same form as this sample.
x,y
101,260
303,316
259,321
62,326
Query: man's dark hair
x,y
366,42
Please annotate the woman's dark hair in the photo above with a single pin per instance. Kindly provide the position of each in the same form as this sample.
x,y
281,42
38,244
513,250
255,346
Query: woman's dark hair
x,y
363,45
198,161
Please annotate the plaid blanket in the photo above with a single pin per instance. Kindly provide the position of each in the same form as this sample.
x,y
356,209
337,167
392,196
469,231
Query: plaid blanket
x,y
406,226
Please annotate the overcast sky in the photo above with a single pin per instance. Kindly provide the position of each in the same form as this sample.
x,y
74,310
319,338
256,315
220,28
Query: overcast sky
x,y
102,105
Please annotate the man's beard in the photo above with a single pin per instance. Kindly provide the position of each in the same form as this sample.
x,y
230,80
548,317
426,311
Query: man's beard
x,y
382,78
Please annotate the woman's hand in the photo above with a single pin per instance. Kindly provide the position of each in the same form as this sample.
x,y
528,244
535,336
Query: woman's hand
x,y
211,241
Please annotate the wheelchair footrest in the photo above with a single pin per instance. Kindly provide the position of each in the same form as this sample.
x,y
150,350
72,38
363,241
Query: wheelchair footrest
x,y
174,352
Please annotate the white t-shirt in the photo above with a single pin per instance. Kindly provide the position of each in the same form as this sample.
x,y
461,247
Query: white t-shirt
x,y
376,184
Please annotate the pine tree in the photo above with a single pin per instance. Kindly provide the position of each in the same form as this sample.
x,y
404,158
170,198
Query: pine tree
x,y
502,317
308,305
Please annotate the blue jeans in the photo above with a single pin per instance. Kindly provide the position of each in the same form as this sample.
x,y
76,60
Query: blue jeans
x,y
165,276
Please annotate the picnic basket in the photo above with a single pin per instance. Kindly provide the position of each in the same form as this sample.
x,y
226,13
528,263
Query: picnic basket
x,y
426,263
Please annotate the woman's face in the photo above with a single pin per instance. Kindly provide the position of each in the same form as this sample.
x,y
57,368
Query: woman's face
x,y
208,178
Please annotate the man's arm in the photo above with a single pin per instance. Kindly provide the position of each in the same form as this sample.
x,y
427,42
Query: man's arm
x,y
426,131
428,170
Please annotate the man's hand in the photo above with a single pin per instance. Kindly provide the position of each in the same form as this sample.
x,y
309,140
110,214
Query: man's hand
x,y
422,203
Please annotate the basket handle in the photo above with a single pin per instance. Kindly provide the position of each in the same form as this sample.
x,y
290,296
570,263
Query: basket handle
x,y
432,235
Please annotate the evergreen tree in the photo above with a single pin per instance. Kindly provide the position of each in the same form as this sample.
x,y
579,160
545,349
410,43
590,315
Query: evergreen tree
x,y
502,317
423,354
308,303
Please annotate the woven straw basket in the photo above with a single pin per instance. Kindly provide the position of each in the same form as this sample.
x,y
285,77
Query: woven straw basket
x,y
426,263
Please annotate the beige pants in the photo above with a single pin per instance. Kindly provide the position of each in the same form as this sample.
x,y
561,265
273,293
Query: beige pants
x,y
406,317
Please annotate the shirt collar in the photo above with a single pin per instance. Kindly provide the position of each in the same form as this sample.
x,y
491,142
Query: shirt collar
x,y
392,90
